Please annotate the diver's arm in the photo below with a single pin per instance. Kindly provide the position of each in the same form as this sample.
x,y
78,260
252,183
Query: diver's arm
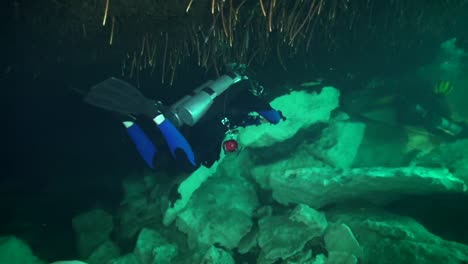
x,y
447,126
253,103
273,116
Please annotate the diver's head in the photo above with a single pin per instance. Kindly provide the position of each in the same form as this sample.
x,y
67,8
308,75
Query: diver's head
x,y
442,88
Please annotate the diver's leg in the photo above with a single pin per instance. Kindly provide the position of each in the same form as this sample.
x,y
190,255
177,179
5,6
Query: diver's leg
x,y
178,144
143,144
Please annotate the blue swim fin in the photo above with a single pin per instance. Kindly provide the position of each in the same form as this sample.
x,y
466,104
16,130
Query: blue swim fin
x,y
175,139
143,144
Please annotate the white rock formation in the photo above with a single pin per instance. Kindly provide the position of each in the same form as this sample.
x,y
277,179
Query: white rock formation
x,y
140,207
453,156
301,109
15,251
283,236
69,262
341,244
217,256
126,259
387,238
318,187
186,190
152,248
339,143
340,238
92,229
219,212
104,253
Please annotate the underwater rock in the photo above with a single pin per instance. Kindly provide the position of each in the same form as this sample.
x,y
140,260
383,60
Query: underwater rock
x,y
152,248
313,219
339,238
126,259
453,156
263,211
140,207
281,237
338,257
301,258
339,143
104,253
451,64
388,238
92,229
301,109
342,246
15,251
70,262
191,184
216,255
318,187
320,259
385,146
220,211
186,189
249,241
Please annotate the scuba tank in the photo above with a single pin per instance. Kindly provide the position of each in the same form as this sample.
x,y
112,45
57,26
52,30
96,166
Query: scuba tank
x,y
191,108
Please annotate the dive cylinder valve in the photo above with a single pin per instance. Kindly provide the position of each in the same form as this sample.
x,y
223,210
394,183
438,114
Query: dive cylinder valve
x,y
191,108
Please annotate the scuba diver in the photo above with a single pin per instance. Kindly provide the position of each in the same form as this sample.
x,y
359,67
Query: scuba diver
x,y
430,110
194,127
413,103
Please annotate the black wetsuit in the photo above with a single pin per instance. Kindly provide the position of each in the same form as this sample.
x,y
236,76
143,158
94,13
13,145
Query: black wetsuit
x,y
417,104
235,104
207,135
412,97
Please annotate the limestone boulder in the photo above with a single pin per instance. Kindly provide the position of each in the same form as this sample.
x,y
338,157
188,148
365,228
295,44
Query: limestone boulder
x,y
339,143
453,156
140,207
104,253
220,211
216,255
15,251
302,109
92,229
152,248
283,236
387,238
126,259
318,187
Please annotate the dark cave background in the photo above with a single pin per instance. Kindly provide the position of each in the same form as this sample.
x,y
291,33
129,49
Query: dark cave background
x,y
63,157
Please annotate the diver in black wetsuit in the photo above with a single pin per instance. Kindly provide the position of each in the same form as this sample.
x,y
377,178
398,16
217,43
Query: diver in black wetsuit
x,y
206,116
415,103
422,106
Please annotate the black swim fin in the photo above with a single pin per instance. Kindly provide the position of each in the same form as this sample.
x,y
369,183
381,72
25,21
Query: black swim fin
x,y
118,96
